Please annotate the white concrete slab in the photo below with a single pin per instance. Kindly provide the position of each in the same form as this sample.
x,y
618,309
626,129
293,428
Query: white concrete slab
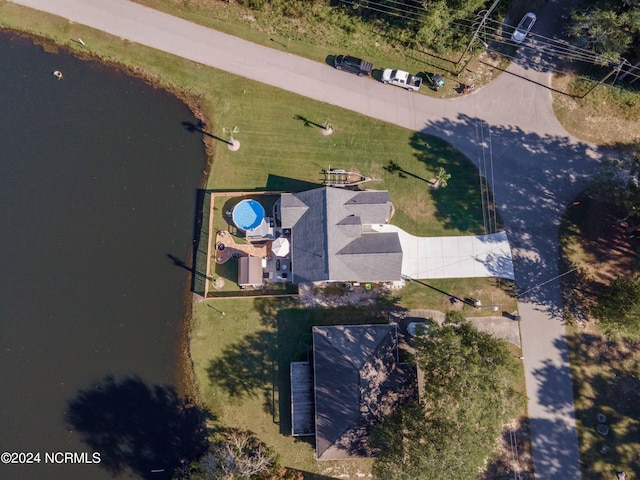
x,y
454,257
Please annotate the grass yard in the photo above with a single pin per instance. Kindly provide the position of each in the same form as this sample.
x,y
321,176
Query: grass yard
x,y
323,32
241,350
606,115
240,357
490,291
605,370
279,152
241,363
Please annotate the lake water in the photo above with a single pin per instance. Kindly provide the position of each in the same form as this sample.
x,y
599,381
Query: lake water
x,y
98,182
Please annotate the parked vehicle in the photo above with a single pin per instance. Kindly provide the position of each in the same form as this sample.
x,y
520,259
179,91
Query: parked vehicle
x,y
353,65
401,79
524,27
462,89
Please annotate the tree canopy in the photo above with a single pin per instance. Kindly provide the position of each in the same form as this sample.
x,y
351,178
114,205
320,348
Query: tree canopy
x,y
430,23
619,180
618,307
610,28
470,392
237,455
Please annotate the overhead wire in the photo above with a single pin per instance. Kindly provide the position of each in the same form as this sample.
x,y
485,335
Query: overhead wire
x,y
544,45
366,5
559,48
566,51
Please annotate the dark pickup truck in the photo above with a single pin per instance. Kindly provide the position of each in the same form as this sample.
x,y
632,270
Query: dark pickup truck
x,y
353,65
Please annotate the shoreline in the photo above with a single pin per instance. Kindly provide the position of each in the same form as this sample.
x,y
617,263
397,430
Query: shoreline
x,y
183,372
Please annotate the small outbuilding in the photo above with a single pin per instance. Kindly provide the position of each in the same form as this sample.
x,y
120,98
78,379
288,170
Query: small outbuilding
x,y
250,272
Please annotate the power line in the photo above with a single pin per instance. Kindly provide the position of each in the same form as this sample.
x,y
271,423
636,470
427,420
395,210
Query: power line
x,y
566,52
361,4
555,47
484,216
545,45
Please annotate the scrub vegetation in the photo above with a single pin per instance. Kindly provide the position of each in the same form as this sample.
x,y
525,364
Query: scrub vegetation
x,y
600,253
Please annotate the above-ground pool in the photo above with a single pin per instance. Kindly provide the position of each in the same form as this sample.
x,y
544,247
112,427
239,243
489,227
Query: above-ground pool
x,y
248,215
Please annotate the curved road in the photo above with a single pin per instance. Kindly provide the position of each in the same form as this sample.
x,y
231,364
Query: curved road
x,y
537,170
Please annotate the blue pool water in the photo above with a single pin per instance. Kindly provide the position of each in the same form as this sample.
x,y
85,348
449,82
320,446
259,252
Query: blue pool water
x,y
248,215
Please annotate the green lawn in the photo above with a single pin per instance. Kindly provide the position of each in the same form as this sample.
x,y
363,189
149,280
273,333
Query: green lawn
x,y
241,357
278,152
320,33
241,363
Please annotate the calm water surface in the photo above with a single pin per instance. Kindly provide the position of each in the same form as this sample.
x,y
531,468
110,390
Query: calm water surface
x,y
98,182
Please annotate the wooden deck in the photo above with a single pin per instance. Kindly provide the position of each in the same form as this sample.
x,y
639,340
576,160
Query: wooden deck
x,y
302,399
226,248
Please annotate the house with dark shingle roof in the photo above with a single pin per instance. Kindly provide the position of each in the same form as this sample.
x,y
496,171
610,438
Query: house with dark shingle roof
x,y
357,381
332,239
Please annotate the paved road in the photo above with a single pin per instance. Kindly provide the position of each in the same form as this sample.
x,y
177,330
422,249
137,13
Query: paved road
x,y
537,170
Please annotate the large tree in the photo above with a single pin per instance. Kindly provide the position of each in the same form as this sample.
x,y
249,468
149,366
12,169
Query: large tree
x,y
239,455
470,392
609,28
618,308
619,180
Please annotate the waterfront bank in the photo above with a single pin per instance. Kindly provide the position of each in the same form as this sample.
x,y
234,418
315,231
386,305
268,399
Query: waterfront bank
x,y
98,185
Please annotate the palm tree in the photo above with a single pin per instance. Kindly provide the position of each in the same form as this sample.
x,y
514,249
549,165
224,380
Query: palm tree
x,y
233,144
442,178
229,132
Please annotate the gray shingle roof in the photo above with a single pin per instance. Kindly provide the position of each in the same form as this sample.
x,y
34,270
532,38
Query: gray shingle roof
x,y
329,242
357,381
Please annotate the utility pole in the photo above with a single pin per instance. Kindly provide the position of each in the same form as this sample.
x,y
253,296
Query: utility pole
x,y
633,67
480,26
615,70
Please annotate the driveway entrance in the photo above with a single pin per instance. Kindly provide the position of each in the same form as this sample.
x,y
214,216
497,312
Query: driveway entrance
x,y
454,257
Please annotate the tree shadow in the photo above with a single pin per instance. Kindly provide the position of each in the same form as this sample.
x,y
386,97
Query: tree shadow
x,y
459,204
308,123
199,127
257,365
605,381
393,168
139,429
532,177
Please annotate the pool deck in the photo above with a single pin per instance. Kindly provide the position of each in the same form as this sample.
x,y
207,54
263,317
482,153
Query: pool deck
x,y
233,249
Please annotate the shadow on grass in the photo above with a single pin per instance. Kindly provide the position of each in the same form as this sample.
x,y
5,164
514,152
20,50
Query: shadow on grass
x,y
139,428
533,179
513,457
460,203
605,381
392,167
257,365
199,127
286,184
227,270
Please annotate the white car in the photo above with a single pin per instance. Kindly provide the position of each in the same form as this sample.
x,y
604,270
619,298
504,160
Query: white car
x,y
524,27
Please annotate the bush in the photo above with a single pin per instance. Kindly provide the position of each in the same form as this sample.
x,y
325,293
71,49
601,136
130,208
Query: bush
x,y
618,307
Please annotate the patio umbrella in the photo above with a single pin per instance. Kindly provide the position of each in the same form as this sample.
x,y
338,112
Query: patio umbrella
x,y
280,247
